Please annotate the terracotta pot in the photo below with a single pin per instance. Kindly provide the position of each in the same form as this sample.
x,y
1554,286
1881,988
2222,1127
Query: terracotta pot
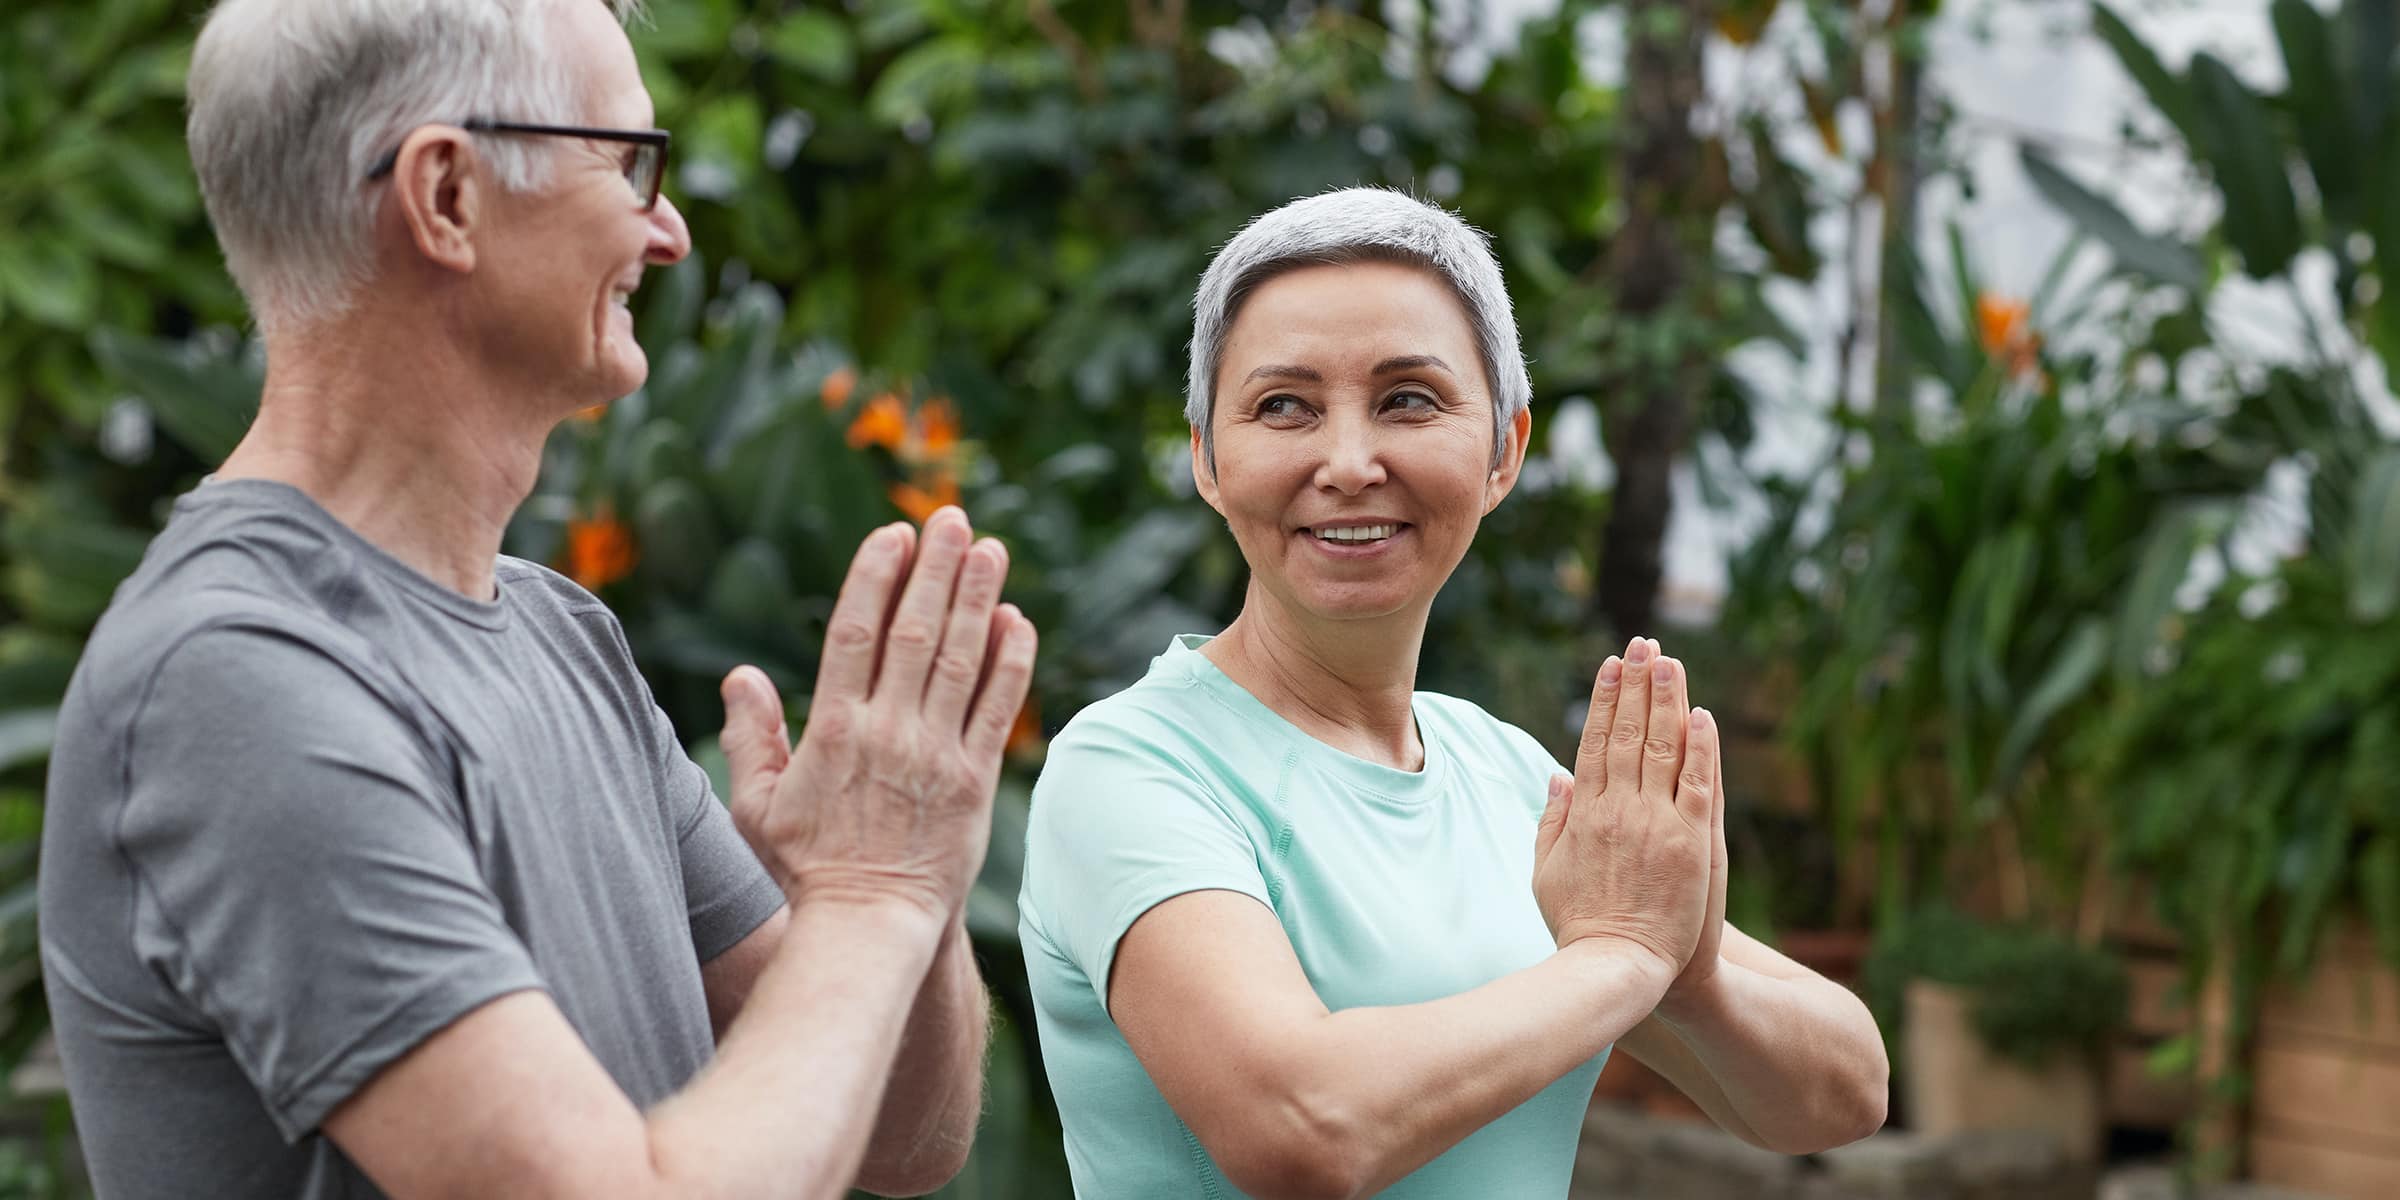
x,y
1955,1084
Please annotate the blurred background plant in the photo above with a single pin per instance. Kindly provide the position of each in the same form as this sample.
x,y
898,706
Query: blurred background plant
x,y
2007,645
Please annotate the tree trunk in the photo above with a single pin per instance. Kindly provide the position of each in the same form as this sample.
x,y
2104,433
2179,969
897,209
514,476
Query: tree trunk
x,y
1659,266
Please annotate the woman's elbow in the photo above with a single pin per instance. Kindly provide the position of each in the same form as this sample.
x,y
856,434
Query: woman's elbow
x,y
1848,1107
1308,1153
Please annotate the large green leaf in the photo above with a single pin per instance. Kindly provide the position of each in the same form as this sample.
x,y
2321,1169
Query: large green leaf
x,y
203,395
2162,259
814,42
2150,595
2168,93
2262,220
2373,543
2068,676
2319,98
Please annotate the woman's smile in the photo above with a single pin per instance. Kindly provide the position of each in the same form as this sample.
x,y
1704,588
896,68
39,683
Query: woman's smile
x,y
1356,539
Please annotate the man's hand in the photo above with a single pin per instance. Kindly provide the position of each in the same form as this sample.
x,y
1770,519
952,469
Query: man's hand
x,y
889,793
1631,848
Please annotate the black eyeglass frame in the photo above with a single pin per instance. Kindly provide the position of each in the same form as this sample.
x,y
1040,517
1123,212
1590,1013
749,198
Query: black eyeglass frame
x,y
657,140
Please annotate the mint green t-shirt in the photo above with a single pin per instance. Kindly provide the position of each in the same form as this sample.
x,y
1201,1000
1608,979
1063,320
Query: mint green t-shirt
x,y
1395,887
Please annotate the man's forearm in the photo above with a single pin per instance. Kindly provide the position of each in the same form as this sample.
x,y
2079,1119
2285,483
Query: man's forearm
x,y
1796,1064
930,1108
785,1108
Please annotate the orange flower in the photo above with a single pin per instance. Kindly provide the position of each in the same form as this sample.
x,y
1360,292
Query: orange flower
x,y
1026,734
835,391
937,428
883,422
920,503
591,412
599,551
2002,325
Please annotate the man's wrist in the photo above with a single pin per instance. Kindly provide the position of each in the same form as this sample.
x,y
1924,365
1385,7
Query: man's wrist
x,y
895,912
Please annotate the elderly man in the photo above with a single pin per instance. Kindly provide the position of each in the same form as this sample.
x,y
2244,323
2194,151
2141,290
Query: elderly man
x,y
371,867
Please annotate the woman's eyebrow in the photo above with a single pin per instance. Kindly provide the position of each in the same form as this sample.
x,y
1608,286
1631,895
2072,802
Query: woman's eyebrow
x,y
1303,374
1410,362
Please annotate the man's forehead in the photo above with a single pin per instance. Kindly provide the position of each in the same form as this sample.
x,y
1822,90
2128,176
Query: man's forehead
x,y
603,56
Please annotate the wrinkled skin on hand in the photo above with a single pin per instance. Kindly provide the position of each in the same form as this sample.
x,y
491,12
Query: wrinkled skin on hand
x,y
888,795
1632,848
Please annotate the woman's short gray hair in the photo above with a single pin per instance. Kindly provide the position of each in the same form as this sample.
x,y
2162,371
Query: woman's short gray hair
x,y
293,100
1358,224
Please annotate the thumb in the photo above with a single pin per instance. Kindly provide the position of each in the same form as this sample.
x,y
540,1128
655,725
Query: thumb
x,y
755,743
1554,815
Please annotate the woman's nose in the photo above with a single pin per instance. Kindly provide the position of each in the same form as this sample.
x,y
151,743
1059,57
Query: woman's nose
x,y
1353,459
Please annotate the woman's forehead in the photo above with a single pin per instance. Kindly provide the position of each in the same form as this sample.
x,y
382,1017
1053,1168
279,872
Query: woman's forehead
x,y
1351,313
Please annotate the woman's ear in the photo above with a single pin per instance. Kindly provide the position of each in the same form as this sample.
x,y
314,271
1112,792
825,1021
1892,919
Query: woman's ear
x,y
1204,474
1504,474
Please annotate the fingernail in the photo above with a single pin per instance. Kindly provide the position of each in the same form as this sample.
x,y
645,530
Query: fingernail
x,y
1702,720
1653,644
1639,654
1663,670
1611,670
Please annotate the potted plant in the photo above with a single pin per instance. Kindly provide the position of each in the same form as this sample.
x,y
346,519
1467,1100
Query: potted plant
x,y
1996,1026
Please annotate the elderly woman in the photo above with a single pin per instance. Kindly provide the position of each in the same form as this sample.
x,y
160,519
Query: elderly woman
x,y
1277,909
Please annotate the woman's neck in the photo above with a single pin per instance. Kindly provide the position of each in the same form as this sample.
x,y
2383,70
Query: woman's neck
x,y
1349,684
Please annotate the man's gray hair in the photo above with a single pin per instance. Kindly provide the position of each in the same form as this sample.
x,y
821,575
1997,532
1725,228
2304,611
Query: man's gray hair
x,y
1359,224
293,100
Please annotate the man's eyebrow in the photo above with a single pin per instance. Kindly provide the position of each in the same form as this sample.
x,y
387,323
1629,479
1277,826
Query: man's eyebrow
x,y
1410,362
1271,371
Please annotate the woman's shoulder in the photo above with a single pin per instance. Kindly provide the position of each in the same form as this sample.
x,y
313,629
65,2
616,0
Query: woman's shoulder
x,y
1481,739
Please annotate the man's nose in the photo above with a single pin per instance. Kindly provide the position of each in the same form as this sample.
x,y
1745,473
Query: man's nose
x,y
670,238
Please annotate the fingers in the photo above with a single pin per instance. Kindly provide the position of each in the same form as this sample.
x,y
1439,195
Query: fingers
x,y
854,636
1003,694
1699,788
915,633
754,731
1591,754
958,667
1554,815
1632,724
1662,752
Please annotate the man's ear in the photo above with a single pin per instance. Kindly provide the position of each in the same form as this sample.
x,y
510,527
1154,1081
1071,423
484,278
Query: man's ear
x,y
1503,478
439,196
1204,476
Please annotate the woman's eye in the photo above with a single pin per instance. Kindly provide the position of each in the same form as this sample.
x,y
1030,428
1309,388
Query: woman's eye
x,y
1279,407
1412,402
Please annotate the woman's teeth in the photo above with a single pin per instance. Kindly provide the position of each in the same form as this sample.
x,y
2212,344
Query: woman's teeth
x,y
1357,533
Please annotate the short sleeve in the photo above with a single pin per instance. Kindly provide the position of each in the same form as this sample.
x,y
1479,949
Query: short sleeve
x,y
1117,828
727,892
304,878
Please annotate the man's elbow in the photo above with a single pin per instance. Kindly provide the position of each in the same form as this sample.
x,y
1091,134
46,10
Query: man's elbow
x,y
922,1173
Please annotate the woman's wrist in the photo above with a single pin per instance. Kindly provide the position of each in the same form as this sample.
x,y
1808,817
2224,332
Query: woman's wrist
x,y
1690,1005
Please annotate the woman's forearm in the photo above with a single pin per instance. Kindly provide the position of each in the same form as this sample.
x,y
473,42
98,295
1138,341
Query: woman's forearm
x,y
1381,1091
1792,1064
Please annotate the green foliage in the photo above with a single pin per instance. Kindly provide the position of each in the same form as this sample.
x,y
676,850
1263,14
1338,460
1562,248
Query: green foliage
x,y
100,222
2032,994
1983,564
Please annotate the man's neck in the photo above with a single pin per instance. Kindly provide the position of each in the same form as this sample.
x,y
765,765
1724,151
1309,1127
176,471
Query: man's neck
x,y
1349,684
401,440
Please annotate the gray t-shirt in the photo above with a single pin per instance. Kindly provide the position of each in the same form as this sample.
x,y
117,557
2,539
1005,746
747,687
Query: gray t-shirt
x,y
307,807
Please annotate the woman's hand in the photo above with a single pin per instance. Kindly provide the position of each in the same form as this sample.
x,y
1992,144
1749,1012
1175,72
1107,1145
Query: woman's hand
x,y
1632,848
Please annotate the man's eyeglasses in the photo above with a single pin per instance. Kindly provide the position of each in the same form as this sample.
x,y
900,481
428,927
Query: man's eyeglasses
x,y
645,161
